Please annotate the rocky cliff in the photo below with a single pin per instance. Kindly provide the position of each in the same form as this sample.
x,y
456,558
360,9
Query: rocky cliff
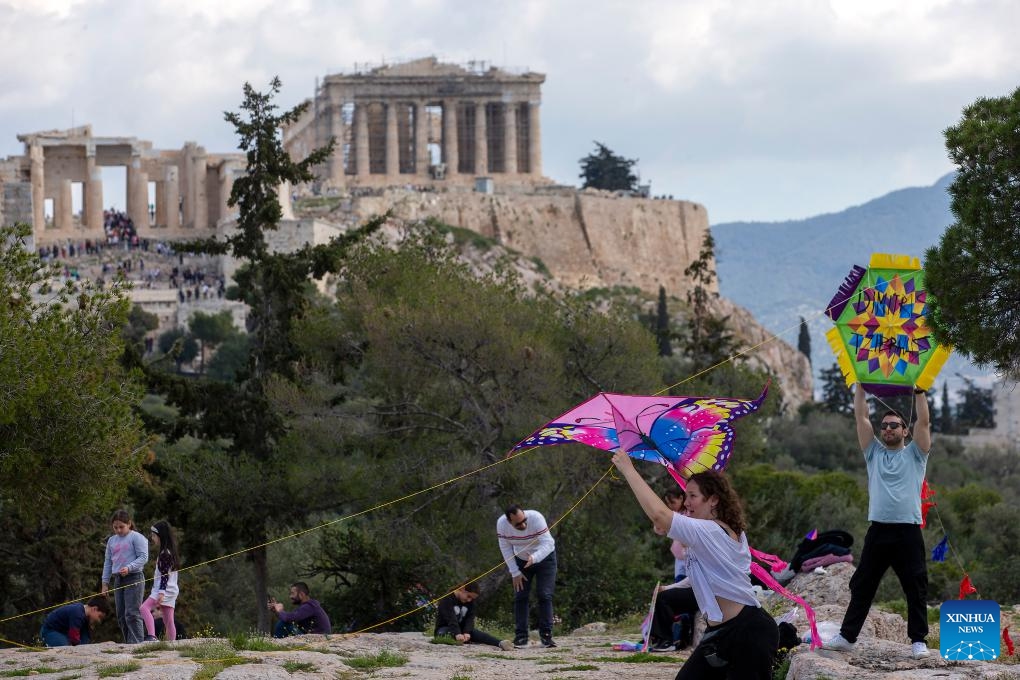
x,y
590,239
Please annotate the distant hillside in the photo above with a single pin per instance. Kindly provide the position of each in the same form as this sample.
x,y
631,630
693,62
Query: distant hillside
x,y
784,270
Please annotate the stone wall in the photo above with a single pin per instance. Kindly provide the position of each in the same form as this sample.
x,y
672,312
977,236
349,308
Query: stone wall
x,y
586,239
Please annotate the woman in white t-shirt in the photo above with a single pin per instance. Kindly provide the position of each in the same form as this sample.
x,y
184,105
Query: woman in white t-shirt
x,y
741,639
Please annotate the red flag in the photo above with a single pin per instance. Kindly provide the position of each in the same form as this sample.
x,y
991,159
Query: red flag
x,y
1007,640
926,491
925,507
966,587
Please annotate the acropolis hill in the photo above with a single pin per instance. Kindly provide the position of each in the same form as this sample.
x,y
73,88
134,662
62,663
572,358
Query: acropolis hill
x,y
461,144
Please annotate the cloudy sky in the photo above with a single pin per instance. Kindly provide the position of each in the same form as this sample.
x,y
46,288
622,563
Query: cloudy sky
x,y
760,110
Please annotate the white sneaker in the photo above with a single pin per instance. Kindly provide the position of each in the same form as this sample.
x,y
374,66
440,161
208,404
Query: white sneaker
x,y
839,644
919,650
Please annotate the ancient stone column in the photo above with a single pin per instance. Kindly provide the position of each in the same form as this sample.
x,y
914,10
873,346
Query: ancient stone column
x,y
450,155
283,195
92,193
37,171
63,218
392,142
335,164
481,141
201,163
534,140
226,178
421,140
361,140
172,197
138,194
510,139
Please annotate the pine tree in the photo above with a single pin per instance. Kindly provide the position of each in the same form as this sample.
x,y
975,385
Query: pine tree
x,y
835,395
662,326
946,413
604,169
804,340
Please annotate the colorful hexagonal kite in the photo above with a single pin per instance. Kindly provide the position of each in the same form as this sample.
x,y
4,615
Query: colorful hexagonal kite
x,y
881,338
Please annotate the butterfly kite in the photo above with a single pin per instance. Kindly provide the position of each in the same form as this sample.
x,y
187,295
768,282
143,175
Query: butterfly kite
x,y
686,434
881,338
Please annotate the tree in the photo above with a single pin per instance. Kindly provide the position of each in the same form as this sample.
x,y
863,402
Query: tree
x,y
211,330
974,271
241,430
179,345
836,398
70,442
976,407
945,413
139,323
804,340
603,169
662,332
708,339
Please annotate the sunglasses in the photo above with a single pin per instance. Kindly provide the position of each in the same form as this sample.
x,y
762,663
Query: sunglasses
x,y
891,426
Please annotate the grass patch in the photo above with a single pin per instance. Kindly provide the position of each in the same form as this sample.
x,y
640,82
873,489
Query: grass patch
x,y
443,640
22,672
639,657
208,651
118,669
299,667
371,662
246,642
210,669
150,647
575,667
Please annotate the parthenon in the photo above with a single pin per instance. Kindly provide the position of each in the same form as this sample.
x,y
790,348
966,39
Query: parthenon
x,y
424,122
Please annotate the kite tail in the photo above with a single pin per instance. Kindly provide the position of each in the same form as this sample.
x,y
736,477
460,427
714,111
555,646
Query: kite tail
x,y
767,579
775,563
927,376
892,261
844,360
845,292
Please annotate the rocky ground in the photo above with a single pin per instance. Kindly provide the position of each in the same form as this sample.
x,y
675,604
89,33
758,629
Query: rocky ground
x,y
882,652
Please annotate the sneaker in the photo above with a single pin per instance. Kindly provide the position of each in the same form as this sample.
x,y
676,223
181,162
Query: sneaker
x,y
548,642
839,644
521,642
506,645
919,650
661,646
153,638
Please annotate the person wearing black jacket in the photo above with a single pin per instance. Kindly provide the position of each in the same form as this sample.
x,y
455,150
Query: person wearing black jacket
x,y
456,619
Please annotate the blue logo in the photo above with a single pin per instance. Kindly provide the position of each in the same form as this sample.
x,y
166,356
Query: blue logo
x,y
969,630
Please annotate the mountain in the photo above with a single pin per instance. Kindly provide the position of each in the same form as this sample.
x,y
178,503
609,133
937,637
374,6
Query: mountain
x,y
782,271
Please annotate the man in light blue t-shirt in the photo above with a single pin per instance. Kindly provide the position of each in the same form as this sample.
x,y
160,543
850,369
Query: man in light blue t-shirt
x,y
895,475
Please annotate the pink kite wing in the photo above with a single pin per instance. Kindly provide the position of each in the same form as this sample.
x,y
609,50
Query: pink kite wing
x,y
686,434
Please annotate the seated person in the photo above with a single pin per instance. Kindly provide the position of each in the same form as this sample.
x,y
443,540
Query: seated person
x,y
309,617
69,625
672,602
456,619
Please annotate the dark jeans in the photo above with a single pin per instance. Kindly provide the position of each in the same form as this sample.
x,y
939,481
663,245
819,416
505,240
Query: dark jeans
x,y
477,636
127,598
743,648
52,638
900,546
544,575
668,605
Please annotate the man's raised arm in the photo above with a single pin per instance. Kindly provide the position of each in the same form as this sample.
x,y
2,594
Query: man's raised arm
x,y
865,431
922,428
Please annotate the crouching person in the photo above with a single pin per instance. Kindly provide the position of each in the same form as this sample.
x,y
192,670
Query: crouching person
x,y
69,625
456,619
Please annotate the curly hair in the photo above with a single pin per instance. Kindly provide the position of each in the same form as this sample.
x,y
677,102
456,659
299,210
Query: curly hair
x,y
730,509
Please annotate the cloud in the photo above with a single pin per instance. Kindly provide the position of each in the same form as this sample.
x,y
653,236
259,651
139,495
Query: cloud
x,y
760,110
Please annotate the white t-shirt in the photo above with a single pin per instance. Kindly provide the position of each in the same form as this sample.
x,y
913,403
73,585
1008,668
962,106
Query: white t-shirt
x,y
717,566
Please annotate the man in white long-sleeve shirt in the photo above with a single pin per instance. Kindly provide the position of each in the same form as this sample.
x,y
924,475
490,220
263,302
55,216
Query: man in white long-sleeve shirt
x,y
530,554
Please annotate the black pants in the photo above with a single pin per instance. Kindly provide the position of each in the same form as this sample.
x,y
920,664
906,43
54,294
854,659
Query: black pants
x,y
669,604
477,636
900,546
743,648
